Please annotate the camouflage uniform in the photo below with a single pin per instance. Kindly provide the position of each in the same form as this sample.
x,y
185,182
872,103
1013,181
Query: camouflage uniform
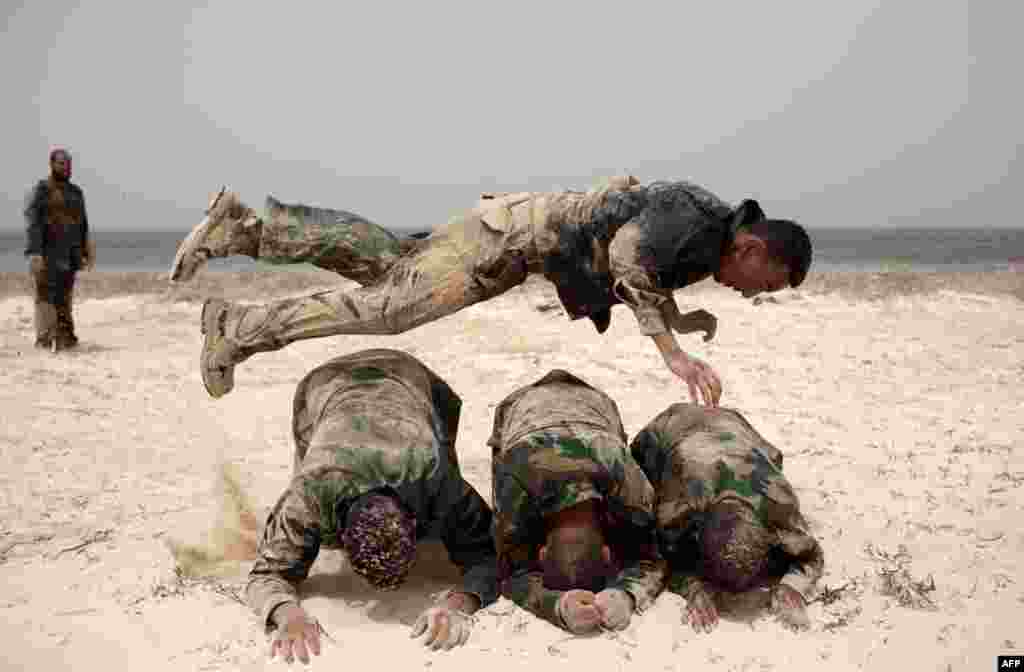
x,y
697,456
374,419
557,443
621,243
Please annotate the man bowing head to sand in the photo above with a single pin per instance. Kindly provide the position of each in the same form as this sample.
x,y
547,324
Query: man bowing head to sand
x,y
375,470
728,520
573,512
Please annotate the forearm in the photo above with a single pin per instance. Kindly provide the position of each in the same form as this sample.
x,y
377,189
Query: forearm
x,y
480,581
644,581
686,584
803,576
667,345
468,538
265,593
527,591
806,557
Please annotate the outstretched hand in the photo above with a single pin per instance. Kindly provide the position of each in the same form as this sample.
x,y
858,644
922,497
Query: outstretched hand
x,y
789,606
447,624
699,377
297,634
701,611
442,627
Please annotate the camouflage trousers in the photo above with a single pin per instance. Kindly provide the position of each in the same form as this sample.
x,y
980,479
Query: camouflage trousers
x,y
462,262
53,292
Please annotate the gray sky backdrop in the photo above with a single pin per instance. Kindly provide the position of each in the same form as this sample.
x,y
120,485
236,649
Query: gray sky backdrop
x,y
851,113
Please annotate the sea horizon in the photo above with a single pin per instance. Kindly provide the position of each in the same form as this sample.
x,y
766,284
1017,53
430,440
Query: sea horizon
x,y
836,249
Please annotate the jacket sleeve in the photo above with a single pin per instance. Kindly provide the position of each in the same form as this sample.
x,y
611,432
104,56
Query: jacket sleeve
x,y
468,538
526,589
521,582
644,578
807,561
645,570
634,283
85,221
687,584
290,543
675,241
35,220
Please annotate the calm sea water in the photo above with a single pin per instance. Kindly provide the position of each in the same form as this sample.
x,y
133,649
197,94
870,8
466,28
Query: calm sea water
x,y
845,250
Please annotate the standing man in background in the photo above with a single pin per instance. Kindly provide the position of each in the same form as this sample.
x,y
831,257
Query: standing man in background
x,y
58,247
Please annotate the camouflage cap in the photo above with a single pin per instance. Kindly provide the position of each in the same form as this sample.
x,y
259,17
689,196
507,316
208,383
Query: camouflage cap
x,y
734,546
379,539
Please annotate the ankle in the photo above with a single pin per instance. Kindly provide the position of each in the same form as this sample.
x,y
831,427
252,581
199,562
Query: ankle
x,y
248,237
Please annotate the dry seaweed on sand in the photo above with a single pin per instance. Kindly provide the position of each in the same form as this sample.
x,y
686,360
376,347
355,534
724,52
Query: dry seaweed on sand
x,y
829,595
183,582
36,539
896,580
908,592
94,538
899,558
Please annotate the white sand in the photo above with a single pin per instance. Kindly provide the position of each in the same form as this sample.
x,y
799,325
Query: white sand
x,y
902,423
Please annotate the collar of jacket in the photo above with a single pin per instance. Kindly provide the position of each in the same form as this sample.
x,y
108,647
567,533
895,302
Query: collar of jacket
x,y
745,214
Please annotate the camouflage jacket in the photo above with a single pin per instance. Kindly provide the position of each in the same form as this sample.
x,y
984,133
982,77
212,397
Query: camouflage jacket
x,y
557,443
57,226
376,419
695,456
625,244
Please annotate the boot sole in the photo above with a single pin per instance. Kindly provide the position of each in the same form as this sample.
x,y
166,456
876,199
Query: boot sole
x,y
195,238
209,328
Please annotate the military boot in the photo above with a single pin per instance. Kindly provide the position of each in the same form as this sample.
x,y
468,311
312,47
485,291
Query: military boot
x,y
68,317
231,334
64,335
45,324
230,227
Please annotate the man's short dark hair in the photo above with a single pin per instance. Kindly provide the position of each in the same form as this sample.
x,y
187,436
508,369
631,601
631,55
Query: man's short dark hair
x,y
734,547
577,563
788,243
380,540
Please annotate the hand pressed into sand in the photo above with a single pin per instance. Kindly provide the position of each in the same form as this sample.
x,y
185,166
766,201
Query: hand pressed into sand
x,y
580,611
701,611
790,608
297,634
447,624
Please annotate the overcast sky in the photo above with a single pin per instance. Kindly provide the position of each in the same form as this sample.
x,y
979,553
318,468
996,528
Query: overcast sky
x,y
852,113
